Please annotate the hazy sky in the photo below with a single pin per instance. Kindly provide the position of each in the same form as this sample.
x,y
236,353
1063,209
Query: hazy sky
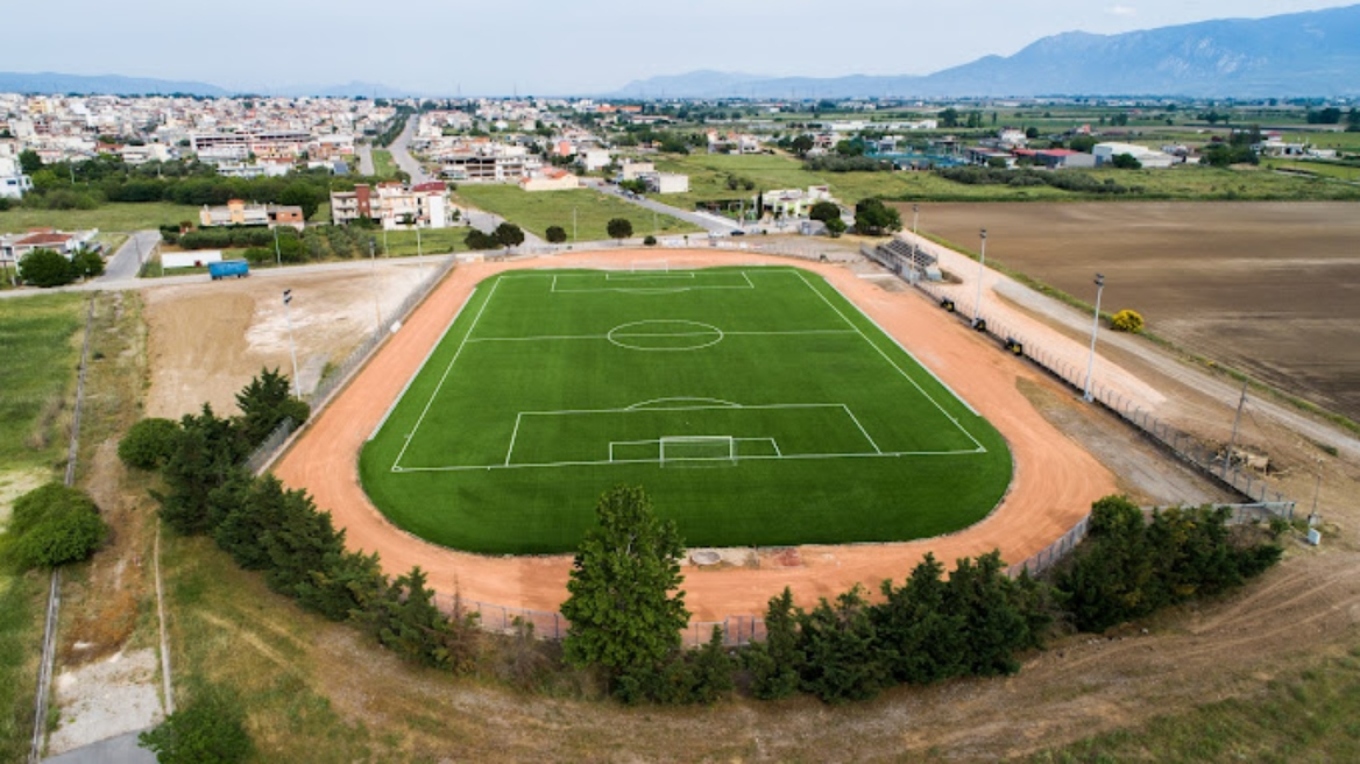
x,y
538,47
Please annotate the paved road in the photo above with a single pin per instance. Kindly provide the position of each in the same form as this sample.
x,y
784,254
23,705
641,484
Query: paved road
x,y
401,153
715,224
365,151
126,263
116,750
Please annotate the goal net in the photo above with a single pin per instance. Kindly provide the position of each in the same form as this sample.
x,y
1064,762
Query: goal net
x,y
688,449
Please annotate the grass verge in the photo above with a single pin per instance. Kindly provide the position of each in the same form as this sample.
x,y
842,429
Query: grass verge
x,y
535,212
1313,715
115,216
39,345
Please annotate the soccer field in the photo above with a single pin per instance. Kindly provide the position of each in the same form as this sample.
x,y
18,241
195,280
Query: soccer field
x,y
755,405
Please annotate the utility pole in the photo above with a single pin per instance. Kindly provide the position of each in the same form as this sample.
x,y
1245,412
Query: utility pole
x,y
292,349
1095,328
573,225
1237,420
373,261
982,266
278,256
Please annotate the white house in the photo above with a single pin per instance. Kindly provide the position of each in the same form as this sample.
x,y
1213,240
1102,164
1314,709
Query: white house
x,y
595,159
666,182
635,170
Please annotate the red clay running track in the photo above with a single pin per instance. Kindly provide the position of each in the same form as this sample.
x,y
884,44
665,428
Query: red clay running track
x,y
1054,484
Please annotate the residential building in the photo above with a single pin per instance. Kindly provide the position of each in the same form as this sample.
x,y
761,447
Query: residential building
x,y
393,205
13,247
550,179
666,182
239,213
595,159
792,202
635,170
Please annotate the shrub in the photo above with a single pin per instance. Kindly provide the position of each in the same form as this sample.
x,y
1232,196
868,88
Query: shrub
x,y
555,234
46,268
87,264
650,241
149,444
1127,321
54,525
209,729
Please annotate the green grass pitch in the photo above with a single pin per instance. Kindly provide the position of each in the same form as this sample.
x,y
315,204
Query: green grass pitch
x,y
757,406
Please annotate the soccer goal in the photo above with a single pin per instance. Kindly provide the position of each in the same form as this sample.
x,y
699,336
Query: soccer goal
x,y
688,449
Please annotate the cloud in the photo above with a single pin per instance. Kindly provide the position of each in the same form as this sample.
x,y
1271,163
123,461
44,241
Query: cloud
x,y
1122,10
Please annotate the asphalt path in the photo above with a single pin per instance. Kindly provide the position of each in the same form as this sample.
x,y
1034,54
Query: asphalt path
x,y
714,224
365,152
126,263
401,153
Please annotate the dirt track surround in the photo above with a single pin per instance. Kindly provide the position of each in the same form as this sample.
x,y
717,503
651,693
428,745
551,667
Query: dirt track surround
x,y
1054,483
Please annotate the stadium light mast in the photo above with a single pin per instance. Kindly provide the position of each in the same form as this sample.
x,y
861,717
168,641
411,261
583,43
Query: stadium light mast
x,y
278,257
982,267
292,349
1095,328
915,218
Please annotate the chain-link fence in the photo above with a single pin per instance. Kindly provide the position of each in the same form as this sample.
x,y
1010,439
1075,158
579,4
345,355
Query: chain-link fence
x,y
1207,458
545,624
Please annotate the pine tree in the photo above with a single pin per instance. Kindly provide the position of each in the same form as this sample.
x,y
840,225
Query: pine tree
x,y
622,613
774,663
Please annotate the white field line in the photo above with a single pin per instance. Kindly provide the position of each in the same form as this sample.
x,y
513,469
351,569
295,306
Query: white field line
x,y
603,463
411,436
652,290
515,434
519,417
865,432
636,275
423,364
899,369
910,354
555,337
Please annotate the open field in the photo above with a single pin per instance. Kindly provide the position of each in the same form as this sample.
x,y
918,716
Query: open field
x,y
109,217
1265,288
708,182
757,406
536,211
38,345
1324,169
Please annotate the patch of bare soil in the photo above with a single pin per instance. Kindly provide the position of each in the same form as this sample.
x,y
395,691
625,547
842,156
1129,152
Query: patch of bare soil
x,y
207,340
101,700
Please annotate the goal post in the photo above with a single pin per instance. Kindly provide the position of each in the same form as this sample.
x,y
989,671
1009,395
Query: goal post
x,y
679,449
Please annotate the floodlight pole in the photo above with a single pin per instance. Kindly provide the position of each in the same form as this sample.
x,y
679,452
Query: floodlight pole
x,y
982,268
915,218
1095,328
373,260
278,256
292,349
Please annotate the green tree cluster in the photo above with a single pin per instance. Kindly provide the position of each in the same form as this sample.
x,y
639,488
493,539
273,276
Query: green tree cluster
x,y
149,443
266,527
48,268
874,218
619,228
555,234
929,629
209,729
51,526
1130,566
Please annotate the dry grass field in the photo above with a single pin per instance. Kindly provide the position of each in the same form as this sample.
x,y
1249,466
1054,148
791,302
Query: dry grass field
x,y
1267,288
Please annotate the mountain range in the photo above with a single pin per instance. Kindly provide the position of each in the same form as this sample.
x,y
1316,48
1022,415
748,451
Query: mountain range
x,y
1315,53
1309,54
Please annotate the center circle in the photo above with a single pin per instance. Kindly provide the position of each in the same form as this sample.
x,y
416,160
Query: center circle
x,y
665,335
